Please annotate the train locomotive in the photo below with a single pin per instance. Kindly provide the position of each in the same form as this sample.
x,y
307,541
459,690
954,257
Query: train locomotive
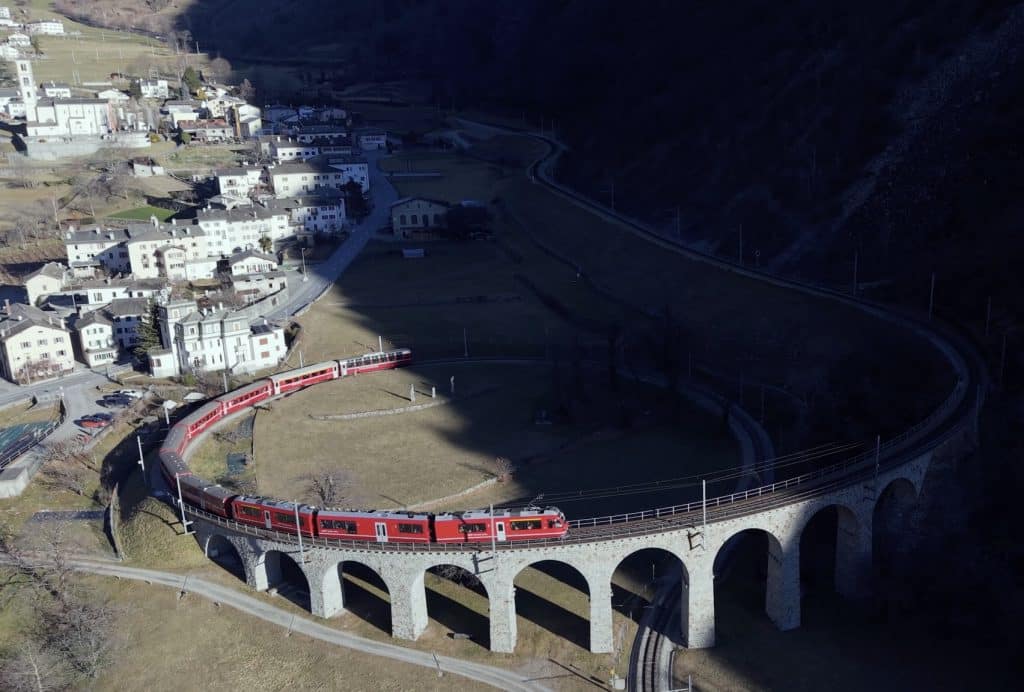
x,y
371,525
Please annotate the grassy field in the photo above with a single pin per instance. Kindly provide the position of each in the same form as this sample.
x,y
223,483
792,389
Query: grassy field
x,y
26,413
142,214
384,458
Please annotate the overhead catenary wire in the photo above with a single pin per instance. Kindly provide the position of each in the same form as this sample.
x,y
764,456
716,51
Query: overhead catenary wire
x,y
694,480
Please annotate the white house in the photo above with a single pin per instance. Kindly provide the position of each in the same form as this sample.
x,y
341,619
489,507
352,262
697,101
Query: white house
x,y
113,96
250,262
164,252
95,293
48,279
417,213
232,230
9,52
285,149
56,90
218,339
95,336
373,140
34,345
154,88
48,27
71,117
321,212
254,287
127,315
5,12
239,182
19,40
298,178
207,130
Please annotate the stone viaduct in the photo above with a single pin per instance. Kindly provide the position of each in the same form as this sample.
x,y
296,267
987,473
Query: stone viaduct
x,y
876,489
595,554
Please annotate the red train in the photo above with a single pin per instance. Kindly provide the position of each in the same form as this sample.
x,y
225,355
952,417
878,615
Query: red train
x,y
379,526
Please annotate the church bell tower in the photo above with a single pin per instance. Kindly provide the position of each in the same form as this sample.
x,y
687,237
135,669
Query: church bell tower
x,y
27,88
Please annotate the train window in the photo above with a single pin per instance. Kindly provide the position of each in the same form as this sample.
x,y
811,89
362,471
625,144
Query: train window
x,y
249,511
338,525
524,524
472,528
554,523
410,528
284,517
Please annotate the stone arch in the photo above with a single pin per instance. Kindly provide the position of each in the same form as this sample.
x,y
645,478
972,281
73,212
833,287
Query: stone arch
x,y
459,601
890,519
753,570
225,554
636,581
554,595
835,551
286,577
359,589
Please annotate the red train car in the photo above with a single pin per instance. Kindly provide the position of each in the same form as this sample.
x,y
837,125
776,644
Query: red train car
x,y
503,525
207,496
246,396
384,360
382,527
272,515
303,377
197,422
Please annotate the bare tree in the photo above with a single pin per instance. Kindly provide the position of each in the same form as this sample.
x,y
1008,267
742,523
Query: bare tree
x,y
68,466
503,468
31,669
220,68
327,488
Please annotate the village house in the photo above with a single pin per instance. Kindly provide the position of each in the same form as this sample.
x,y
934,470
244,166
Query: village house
x,y
250,262
320,212
254,287
306,133
239,182
9,52
47,27
19,40
127,315
411,214
299,178
113,96
373,140
56,90
145,251
94,332
34,345
48,279
232,230
207,131
154,88
216,339
93,294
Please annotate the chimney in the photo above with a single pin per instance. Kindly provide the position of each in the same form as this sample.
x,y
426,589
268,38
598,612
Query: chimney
x,y
7,305
174,222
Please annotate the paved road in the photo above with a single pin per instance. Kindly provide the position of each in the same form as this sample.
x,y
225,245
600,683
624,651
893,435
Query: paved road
x,y
497,677
323,274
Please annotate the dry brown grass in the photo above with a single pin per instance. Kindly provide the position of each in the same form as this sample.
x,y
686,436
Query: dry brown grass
x,y
26,413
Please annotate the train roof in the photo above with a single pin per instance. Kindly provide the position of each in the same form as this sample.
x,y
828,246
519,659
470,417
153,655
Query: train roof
x,y
374,514
502,513
299,372
275,504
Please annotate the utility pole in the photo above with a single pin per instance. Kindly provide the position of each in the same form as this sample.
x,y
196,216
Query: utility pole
x,y
704,510
225,374
298,531
142,460
185,523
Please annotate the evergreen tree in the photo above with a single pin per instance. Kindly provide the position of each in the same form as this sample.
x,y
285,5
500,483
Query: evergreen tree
x,y
191,79
148,333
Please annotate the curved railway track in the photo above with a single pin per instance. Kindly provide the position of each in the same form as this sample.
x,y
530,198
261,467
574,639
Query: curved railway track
x,y
648,657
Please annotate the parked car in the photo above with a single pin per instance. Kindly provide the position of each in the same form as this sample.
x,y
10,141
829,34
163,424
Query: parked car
x,y
116,400
92,422
101,416
131,393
